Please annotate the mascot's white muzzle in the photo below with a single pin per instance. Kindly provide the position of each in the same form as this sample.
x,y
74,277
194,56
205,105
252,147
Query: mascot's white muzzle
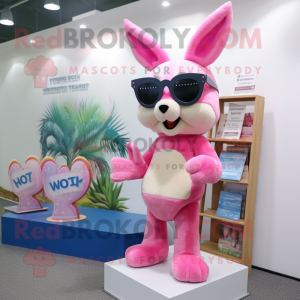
x,y
167,110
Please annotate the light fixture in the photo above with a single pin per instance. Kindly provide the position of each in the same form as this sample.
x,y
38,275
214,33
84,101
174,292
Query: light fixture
x,y
6,17
52,4
166,3
82,26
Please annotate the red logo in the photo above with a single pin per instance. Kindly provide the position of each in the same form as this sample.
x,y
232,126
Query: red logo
x,y
40,68
39,258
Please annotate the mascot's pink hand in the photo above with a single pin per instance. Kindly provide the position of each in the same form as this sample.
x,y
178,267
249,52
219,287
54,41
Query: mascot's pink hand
x,y
204,169
128,169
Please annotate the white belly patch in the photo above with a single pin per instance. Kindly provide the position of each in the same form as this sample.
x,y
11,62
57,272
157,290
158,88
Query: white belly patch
x,y
167,177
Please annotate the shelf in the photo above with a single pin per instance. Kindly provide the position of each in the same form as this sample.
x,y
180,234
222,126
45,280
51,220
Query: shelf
x,y
239,98
251,182
211,213
242,181
231,141
212,248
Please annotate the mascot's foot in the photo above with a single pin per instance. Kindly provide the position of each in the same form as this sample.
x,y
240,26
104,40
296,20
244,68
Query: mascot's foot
x,y
142,255
189,268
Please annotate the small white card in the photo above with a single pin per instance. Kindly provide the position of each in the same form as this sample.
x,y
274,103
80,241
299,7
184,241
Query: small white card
x,y
235,120
244,84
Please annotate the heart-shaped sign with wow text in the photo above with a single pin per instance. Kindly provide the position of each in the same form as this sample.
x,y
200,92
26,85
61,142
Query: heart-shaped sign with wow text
x,y
26,184
64,187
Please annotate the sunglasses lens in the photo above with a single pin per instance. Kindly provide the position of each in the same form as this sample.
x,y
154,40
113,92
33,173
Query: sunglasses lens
x,y
148,93
186,90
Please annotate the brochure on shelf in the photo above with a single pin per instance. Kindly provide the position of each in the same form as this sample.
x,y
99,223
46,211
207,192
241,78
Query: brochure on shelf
x,y
245,173
222,123
241,149
229,206
238,189
247,125
235,121
233,165
231,240
247,128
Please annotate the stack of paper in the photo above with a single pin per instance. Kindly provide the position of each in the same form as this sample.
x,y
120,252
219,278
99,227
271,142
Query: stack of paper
x,y
229,206
233,165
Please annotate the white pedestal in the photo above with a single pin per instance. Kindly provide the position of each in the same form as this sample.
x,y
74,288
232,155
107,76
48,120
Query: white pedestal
x,y
227,281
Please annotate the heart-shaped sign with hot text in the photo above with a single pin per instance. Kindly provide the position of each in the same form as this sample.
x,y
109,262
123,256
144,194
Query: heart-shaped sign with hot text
x,y
26,184
64,187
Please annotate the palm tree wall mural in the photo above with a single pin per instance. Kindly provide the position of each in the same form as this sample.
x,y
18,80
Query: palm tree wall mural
x,y
70,129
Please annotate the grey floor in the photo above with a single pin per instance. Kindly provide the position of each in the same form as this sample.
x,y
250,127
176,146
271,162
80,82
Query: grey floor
x,y
84,280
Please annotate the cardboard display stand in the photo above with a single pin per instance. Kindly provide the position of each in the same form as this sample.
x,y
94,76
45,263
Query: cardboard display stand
x,y
64,187
26,184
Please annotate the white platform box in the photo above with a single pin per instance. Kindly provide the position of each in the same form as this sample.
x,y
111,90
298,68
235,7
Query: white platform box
x,y
226,281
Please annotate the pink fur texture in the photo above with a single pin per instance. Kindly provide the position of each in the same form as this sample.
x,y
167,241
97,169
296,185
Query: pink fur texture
x,y
145,49
181,161
213,35
124,169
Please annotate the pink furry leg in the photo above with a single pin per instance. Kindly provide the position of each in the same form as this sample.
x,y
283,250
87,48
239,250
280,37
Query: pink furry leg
x,y
187,264
155,246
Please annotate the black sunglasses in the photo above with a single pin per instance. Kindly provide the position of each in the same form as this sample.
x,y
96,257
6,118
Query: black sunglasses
x,y
186,89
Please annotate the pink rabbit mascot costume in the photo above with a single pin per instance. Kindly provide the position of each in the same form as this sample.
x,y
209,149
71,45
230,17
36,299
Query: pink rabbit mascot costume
x,y
181,161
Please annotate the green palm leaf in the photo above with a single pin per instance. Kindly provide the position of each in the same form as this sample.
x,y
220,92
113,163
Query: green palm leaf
x,y
101,205
87,131
104,193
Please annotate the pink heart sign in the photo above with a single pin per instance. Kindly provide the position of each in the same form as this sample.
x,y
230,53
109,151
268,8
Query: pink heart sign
x,y
26,184
64,187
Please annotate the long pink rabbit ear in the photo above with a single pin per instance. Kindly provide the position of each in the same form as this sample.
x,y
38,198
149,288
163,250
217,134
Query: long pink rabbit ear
x,y
144,47
211,37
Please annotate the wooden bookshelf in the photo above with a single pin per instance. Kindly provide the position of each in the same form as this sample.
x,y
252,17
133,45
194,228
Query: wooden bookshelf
x,y
228,141
247,224
211,213
212,248
242,181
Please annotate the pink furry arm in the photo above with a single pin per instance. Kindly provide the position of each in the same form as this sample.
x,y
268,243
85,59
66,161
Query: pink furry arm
x,y
147,156
133,168
205,167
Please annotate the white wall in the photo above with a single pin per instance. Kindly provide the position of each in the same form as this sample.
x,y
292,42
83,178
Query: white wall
x,y
276,241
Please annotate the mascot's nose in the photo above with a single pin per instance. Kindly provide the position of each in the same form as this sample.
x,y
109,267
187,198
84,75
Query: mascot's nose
x,y
163,108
